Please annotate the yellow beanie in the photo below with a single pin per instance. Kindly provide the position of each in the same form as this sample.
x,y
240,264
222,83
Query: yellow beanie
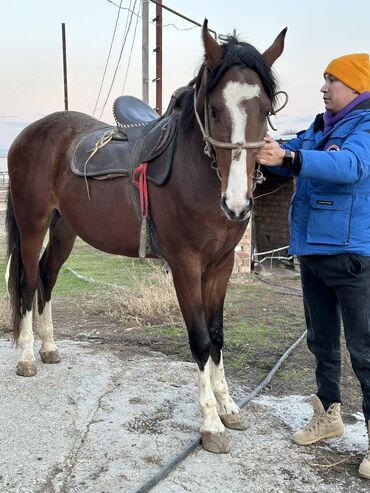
x,y
353,70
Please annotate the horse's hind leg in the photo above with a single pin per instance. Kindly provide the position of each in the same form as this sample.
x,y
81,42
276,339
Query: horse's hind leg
x,y
61,241
30,247
214,284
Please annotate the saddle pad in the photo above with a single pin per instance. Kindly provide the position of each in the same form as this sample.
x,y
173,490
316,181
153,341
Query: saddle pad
x,y
114,159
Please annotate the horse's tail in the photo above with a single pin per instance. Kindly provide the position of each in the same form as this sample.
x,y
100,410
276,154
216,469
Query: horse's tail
x,y
14,268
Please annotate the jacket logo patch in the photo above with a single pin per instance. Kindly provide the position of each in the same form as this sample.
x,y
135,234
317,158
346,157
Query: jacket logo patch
x,y
325,202
333,148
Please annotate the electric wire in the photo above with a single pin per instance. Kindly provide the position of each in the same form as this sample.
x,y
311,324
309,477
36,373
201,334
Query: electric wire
x,y
130,55
108,57
118,61
170,24
29,78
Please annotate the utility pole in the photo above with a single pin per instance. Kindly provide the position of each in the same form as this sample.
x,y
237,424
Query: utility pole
x,y
158,50
65,66
145,50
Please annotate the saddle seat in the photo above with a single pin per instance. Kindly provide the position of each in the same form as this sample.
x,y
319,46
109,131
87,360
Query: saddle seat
x,y
141,135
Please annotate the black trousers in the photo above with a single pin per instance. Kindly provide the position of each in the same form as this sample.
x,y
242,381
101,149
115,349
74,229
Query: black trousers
x,y
337,287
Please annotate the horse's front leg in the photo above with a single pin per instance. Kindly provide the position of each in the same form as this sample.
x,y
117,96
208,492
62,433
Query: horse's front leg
x,y
214,285
188,287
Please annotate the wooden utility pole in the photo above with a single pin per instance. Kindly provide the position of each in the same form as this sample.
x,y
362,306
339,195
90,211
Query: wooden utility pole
x,y
158,50
65,66
145,50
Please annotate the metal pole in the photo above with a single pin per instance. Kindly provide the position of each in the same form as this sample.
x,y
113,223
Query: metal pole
x,y
65,66
158,50
145,50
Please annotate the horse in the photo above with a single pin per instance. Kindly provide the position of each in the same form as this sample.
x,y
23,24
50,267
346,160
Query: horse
x,y
199,214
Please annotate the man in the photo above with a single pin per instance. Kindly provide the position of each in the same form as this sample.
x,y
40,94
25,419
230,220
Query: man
x,y
330,233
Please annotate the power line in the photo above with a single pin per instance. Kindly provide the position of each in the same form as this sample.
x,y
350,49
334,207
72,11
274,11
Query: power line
x,y
119,59
129,58
30,77
108,57
151,22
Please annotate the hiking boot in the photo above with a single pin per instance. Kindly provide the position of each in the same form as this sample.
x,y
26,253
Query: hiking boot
x,y
324,424
364,469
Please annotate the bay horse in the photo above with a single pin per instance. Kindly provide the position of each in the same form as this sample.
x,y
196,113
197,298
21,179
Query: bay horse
x,y
199,215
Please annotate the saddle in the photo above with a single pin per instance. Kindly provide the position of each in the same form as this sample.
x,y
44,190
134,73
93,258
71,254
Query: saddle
x,y
141,135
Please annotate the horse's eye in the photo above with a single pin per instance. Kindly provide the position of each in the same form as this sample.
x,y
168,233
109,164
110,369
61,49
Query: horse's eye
x,y
213,112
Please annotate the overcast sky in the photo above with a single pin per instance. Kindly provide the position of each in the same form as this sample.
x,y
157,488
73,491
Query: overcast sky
x,y
31,80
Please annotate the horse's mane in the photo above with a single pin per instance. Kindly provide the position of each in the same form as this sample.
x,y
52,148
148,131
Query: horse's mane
x,y
235,53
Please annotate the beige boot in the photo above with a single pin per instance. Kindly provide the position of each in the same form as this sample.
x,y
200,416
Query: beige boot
x,y
323,424
364,469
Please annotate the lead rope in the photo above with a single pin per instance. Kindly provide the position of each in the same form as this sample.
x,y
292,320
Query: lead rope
x,y
273,112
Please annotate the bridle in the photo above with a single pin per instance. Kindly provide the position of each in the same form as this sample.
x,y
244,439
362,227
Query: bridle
x,y
211,143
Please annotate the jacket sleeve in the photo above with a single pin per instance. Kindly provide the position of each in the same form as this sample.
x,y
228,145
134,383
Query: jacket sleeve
x,y
293,145
349,165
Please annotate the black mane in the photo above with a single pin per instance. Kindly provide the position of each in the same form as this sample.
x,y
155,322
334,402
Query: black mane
x,y
235,53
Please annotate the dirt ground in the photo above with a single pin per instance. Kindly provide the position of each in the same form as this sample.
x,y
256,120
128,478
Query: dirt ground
x,y
72,321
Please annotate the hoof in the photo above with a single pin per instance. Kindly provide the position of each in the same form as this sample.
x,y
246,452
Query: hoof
x,y
50,357
218,443
234,421
26,369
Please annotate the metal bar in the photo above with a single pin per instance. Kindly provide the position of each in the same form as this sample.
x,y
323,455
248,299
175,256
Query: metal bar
x,y
183,16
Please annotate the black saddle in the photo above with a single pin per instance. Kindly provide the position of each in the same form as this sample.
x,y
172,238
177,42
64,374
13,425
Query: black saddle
x,y
141,135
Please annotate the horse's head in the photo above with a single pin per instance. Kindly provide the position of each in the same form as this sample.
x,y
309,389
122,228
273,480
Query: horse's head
x,y
235,92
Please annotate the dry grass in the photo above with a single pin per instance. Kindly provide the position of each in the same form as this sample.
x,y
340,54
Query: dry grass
x,y
146,301
5,322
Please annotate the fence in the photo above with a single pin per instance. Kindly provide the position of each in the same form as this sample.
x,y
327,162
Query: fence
x,y
4,178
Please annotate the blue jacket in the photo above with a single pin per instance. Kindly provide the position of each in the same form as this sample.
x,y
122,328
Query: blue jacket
x,y
330,209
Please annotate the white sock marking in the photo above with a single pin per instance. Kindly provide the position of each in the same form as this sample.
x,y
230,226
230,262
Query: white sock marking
x,y
25,339
221,390
45,329
7,274
207,400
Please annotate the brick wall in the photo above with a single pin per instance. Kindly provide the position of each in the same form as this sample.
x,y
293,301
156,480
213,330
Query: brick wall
x,y
270,221
271,211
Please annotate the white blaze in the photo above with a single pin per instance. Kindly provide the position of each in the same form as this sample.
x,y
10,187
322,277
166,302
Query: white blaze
x,y
234,95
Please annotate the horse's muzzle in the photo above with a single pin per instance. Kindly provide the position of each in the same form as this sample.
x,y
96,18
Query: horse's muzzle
x,y
237,214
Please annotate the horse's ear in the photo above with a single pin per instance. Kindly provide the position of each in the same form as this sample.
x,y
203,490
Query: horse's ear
x,y
276,49
213,53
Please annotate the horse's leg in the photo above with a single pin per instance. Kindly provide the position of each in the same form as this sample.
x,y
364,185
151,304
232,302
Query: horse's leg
x,y
23,277
61,241
214,284
187,281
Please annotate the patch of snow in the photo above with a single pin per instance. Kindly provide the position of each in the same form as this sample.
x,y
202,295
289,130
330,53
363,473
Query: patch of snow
x,y
295,411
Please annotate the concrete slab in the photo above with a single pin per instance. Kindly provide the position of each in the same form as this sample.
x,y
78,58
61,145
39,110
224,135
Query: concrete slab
x,y
99,424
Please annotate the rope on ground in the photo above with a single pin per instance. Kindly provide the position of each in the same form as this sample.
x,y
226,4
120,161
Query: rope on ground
x,y
91,280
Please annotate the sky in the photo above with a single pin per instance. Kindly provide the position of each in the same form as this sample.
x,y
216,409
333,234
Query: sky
x,y
31,77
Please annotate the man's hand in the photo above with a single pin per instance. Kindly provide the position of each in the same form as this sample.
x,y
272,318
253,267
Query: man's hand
x,y
271,154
